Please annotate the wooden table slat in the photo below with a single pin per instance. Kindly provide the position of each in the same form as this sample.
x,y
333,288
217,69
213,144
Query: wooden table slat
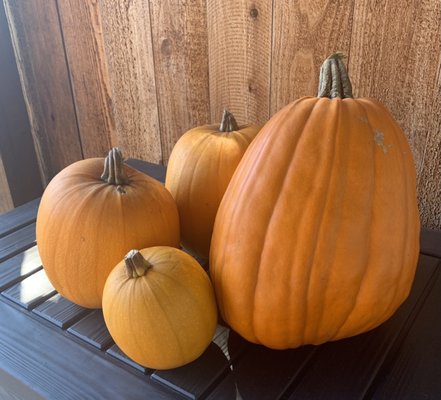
x,y
31,291
17,241
18,267
117,353
92,330
197,378
18,217
60,311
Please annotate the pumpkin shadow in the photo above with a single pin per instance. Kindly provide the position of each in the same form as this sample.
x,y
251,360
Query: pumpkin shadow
x,y
263,373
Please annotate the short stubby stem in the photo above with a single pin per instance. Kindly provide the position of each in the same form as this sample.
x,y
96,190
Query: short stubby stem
x,y
228,123
334,80
136,264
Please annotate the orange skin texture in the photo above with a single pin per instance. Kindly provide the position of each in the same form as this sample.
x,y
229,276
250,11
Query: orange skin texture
x,y
85,226
317,236
165,318
198,172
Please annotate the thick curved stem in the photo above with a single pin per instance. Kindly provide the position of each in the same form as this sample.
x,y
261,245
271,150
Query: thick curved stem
x,y
334,80
228,123
114,173
136,264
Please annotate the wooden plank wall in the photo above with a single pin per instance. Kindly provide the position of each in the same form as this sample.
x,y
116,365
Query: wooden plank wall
x,y
139,73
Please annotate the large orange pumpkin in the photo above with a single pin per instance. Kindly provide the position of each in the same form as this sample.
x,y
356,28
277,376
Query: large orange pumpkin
x,y
200,167
159,307
317,236
87,222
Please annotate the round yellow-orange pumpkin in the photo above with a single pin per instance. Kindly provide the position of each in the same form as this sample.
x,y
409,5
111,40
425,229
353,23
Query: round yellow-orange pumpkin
x,y
87,222
317,236
159,307
200,167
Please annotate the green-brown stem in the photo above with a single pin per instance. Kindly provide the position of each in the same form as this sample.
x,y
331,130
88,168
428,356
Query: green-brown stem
x,y
136,264
334,80
114,173
228,123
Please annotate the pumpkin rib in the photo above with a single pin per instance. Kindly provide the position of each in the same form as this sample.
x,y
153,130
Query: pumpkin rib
x,y
216,272
81,211
148,284
242,193
403,166
319,221
287,168
387,310
185,289
356,299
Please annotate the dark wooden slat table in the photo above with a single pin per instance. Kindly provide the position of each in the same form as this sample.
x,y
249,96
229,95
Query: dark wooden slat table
x,y
51,348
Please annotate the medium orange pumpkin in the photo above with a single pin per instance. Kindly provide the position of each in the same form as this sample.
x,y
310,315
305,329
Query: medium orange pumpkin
x,y
317,236
87,222
159,307
199,169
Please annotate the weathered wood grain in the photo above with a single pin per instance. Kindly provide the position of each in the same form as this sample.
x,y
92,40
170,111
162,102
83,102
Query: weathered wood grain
x,y
17,242
31,291
304,34
180,49
6,203
20,179
18,217
93,330
239,47
39,50
128,44
83,41
395,57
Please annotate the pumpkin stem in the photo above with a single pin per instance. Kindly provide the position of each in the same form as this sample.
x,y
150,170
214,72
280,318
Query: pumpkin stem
x,y
114,173
136,264
228,123
334,80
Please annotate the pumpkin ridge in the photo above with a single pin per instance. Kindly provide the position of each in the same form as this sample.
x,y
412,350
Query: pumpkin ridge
x,y
368,237
221,271
290,163
188,192
199,305
403,241
82,213
396,138
319,222
148,283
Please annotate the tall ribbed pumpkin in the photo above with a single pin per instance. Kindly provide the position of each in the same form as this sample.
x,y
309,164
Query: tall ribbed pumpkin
x,y
200,167
317,236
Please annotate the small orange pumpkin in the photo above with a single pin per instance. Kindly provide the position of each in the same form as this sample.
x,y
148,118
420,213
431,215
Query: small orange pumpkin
x,y
199,169
88,220
317,236
159,307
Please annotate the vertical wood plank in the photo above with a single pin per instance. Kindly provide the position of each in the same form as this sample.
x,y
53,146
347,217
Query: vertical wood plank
x,y
395,57
128,44
20,179
239,48
180,48
305,33
81,26
41,60
6,203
